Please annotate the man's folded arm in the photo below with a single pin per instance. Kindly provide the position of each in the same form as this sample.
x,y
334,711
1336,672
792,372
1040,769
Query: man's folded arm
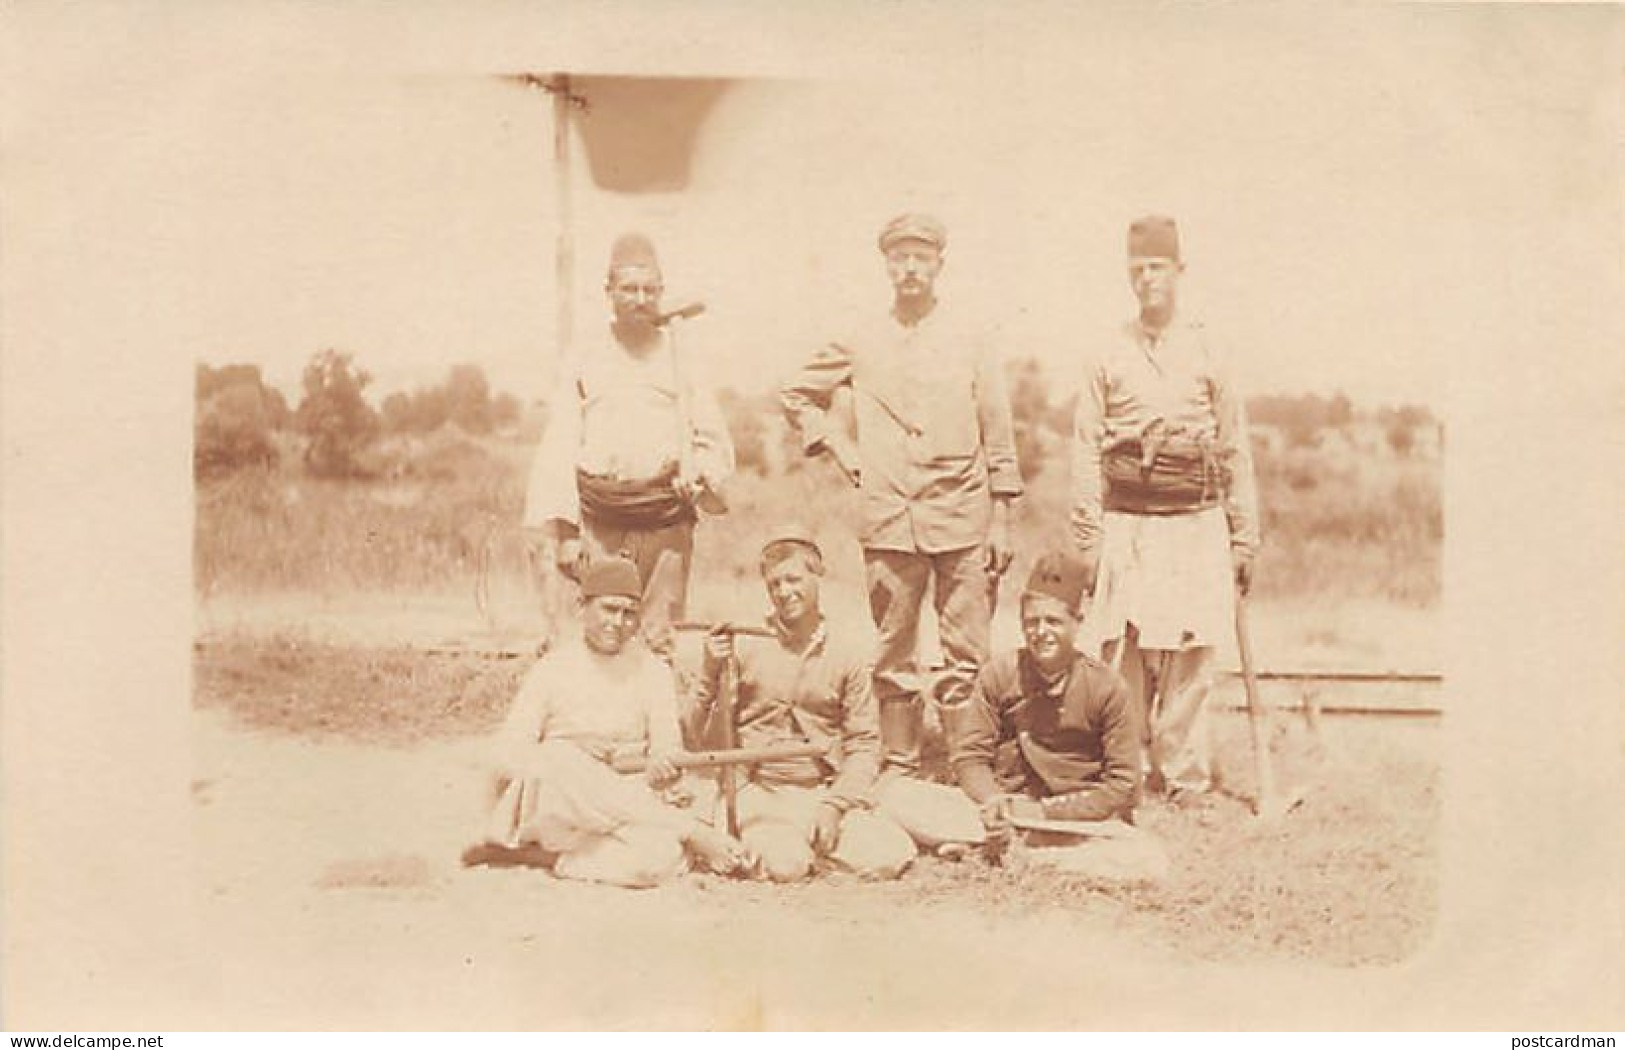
x,y
806,397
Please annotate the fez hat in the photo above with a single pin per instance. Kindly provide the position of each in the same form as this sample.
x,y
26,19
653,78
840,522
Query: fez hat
x,y
614,576
914,226
633,249
1154,235
1059,575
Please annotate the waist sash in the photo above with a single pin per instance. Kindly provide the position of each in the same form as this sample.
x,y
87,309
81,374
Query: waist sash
x,y
1180,478
650,503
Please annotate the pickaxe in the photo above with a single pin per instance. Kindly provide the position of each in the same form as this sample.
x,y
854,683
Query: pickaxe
x,y
728,711
1271,801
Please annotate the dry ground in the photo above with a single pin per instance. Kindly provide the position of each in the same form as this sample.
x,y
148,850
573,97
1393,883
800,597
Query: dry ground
x,y
334,786
336,761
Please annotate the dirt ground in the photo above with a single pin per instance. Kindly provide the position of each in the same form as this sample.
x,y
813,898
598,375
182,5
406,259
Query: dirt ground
x,y
335,783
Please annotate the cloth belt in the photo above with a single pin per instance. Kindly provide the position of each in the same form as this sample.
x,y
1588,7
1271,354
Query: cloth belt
x,y
645,504
1177,475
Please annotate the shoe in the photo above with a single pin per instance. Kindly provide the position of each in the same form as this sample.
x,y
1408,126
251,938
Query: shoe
x,y
492,855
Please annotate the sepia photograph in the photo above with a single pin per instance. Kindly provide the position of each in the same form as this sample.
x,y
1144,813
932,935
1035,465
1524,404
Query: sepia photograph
x,y
774,522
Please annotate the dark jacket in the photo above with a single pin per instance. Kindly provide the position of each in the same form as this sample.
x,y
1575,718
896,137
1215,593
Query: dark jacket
x,y
1072,744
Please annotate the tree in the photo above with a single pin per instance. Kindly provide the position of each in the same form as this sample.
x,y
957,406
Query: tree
x,y
232,431
1402,424
211,381
468,398
463,397
235,416
337,419
506,411
1401,438
396,413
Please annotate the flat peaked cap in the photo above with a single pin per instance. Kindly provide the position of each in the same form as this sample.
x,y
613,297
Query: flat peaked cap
x,y
1060,575
614,576
915,226
1154,235
633,249
796,534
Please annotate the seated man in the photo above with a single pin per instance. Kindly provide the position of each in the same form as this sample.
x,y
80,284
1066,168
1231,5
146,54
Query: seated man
x,y
807,682
580,707
1046,741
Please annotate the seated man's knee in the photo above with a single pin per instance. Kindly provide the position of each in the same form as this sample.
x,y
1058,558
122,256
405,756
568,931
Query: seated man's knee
x,y
874,846
658,855
932,814
783,854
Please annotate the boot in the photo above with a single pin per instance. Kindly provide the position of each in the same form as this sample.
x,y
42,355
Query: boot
x,y
901,729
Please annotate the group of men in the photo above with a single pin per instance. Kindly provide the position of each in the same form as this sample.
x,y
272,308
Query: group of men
x,y
1048,746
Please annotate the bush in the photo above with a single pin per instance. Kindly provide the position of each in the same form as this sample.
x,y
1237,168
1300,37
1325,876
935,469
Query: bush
x,y
233,430
1337,522
337,418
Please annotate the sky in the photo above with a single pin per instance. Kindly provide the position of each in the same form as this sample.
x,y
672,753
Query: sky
x,y
1351,184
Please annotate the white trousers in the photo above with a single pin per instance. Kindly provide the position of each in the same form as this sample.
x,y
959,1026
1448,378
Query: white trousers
x,y
776,822
1170,688
605,826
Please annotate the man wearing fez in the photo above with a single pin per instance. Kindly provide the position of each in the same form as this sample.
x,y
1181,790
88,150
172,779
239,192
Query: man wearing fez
x,y
1045,747
582,708
809,682
1164,508
634,445
935,462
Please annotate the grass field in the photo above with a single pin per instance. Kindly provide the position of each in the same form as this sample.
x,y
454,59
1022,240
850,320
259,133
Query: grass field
x,y
317,601
1335,526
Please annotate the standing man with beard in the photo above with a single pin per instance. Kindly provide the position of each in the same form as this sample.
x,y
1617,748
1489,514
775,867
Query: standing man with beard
x,y
1164,508
634,448
935,462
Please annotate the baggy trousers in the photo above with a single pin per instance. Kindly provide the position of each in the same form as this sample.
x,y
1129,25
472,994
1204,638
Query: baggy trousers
x,y
605,826
776,822
1170,689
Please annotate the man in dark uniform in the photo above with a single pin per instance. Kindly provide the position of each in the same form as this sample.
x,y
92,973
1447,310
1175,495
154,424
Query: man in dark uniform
x,y
1045,748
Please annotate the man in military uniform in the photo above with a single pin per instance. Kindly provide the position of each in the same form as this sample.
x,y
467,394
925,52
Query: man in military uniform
x,y
935,462
633,446
1164,510
809,682
1045,748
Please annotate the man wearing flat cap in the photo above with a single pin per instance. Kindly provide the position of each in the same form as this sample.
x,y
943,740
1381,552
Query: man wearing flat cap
x,y
555,793
808,682
635,446
1164,507
934,459
1045,743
